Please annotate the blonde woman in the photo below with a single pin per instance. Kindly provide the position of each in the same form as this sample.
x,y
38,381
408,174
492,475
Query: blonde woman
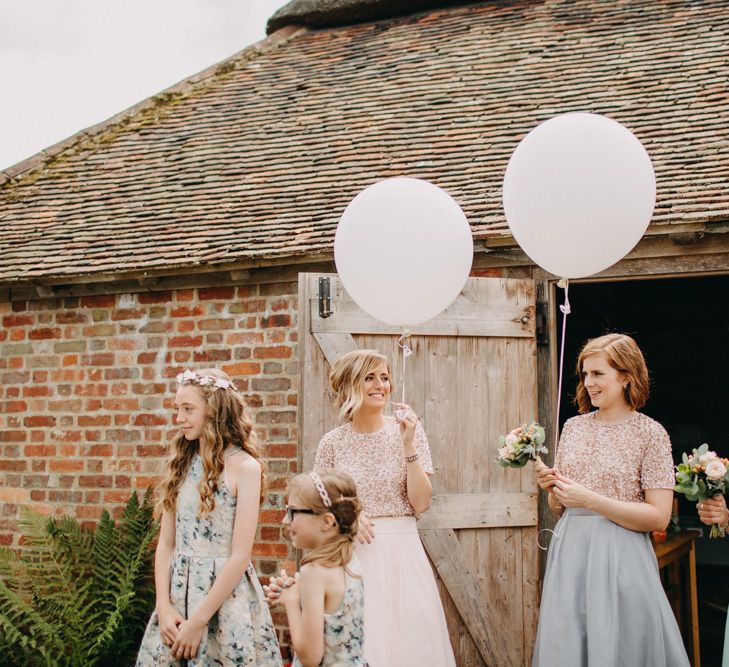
x,y
325,604
210,606
389,459
612,483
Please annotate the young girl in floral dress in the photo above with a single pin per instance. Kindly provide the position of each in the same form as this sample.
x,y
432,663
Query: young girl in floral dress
x,y
325,603
389,459
612,483
210,606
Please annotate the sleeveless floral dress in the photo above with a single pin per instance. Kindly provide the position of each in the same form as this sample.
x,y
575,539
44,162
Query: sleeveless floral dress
x,y
241,631
344,630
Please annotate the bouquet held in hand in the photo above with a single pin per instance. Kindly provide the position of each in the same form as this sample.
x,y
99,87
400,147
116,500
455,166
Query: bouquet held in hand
x,y
521,445
702,475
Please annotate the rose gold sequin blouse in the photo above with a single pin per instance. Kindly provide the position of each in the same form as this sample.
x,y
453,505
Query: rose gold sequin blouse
x,y
618,460
376,462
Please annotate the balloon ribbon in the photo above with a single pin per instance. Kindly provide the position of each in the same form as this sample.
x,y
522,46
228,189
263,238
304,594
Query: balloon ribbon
x,y
406,352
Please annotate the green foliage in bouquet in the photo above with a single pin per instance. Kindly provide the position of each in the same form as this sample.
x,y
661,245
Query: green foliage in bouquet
x,y
516,450
78,597
701,475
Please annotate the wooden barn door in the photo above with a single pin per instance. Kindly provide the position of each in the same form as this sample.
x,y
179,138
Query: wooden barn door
x,y
471,378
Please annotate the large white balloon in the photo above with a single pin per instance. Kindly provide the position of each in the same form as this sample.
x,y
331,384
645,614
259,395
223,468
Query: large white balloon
x,y
403,250
579,193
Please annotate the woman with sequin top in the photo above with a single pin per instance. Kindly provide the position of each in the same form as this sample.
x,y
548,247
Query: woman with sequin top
x,y
612,483
389,459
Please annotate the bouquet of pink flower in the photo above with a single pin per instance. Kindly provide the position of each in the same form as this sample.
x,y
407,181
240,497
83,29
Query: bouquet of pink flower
x,y
521,446
702,475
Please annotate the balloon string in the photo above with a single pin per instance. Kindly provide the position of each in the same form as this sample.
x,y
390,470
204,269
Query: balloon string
x,y
564,283
406,352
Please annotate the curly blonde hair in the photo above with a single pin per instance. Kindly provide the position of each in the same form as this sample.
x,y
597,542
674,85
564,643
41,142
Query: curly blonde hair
x,y
624,355
347,380
227,424
346,508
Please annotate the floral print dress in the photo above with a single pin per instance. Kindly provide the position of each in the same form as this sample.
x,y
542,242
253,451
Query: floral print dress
x,y
344,629
241,631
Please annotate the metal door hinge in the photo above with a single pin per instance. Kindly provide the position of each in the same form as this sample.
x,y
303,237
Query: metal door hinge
x,y
325,299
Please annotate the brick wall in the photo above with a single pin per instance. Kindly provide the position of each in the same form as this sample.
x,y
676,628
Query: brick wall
x,y
87,385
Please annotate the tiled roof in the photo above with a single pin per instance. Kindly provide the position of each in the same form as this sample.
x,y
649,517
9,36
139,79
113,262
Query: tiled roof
x,y
257,158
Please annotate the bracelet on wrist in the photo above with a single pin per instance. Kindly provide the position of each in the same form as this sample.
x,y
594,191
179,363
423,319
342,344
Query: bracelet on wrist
x,y
411,459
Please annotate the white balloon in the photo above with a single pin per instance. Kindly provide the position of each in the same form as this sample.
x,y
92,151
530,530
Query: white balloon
x,y
579,192
403,250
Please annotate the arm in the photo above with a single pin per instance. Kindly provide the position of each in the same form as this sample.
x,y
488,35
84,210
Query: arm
x,y
652,514
419,488
246,472
167,616
304,604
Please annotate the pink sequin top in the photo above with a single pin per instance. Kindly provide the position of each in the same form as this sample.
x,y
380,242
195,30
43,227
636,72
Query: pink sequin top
x,y
618,460
376,462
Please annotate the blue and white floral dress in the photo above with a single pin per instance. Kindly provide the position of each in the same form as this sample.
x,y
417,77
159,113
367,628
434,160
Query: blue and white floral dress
x,y
241,631
344,629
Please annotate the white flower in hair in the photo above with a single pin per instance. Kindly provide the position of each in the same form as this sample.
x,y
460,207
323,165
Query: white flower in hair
x,y
221,383
205,380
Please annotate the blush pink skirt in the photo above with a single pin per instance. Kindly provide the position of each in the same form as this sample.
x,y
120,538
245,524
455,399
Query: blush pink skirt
x,y
404,623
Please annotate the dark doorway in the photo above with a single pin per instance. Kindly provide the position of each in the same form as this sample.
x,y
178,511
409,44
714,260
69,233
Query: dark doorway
x,y
682,326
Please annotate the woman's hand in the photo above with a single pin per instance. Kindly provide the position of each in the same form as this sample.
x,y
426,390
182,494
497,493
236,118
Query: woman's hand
x,y
188,639
546,477
168,620
366,531
570,493
713,510
406,417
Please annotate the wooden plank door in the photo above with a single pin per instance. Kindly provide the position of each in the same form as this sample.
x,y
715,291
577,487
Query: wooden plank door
x,y
471,378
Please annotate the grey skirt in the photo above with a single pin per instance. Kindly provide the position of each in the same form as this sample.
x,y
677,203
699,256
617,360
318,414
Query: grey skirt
x,y
602,600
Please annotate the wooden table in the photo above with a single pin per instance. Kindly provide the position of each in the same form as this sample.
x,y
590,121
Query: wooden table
x,y
677,563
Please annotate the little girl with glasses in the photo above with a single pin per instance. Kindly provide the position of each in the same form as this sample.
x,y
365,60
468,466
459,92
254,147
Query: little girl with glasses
x,y
325,601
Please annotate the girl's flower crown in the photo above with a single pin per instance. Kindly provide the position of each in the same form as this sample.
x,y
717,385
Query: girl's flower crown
x,y
191,377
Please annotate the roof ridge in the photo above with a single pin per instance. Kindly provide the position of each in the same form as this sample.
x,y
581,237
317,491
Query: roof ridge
x,y
175,92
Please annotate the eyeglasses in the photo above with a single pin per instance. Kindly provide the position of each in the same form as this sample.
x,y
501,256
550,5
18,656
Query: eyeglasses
x,y
293,511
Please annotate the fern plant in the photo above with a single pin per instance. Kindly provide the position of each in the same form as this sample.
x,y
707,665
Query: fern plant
x,y
75,597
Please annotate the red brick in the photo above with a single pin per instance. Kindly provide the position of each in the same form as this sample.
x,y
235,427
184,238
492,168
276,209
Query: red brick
x,y
66,465
14,406
269,549
95,481
186,311
281,451
91,390
99,450
127,314
216,324
13,464
39,450
185,326
13,436
244,368
18,321
276,321
270,516
14,378
185,341
99,301
39,420
71,318
17,335
98,359
275,352
44,333
219,293
146,357
150,420
151,450
154,297
96,420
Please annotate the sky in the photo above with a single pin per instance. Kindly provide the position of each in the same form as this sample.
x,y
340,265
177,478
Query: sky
x,y
68,64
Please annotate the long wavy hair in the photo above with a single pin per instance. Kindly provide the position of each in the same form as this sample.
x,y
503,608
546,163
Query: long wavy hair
x,y
347,380
346,508
227,424
624,355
